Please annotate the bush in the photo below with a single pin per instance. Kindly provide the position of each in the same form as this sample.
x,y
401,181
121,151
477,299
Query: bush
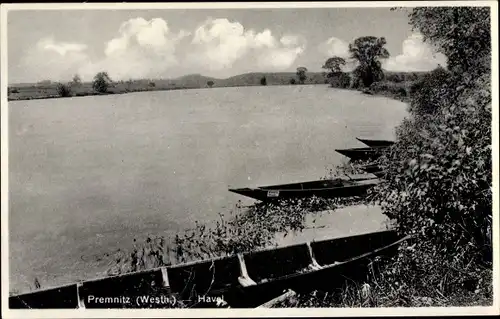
x,y
63,90
340,80
263,81
395,77
402,92
293,81
431,91
438,187
392,89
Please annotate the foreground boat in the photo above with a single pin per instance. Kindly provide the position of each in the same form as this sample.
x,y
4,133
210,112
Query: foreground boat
x,y
239,281
362,153
321,188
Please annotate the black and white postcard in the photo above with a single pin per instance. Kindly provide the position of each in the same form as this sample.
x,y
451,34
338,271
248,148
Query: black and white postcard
x,y
238,159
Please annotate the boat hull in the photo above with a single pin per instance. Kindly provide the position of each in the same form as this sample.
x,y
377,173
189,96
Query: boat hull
x,y
363,153
375,143
270,193
373,169
325,265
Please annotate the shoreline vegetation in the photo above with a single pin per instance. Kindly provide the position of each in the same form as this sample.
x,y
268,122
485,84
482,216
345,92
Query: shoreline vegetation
x,y
395,85
437,182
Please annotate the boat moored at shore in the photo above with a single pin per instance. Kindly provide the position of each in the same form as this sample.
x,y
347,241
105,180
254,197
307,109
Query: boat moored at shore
x,y
375,143
362,153
244,280
321,188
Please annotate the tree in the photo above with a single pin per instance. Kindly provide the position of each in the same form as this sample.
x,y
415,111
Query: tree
x,y
334,74
210,83
77,80
101,82
368,51
129,84
263,81
462,34
334,65
301,74
63,90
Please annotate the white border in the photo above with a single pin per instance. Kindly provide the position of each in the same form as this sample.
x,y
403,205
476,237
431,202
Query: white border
x,y
209,313
246,5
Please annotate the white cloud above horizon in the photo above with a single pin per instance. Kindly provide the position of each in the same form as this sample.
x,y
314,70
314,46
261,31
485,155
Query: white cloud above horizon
x,y
57,59
141,49
62,48
150,49
416,56
334,47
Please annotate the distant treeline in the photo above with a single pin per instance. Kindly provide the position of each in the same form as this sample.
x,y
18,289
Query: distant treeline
x,y
47,89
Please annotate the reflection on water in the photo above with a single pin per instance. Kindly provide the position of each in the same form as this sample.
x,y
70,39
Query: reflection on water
x,y
89,174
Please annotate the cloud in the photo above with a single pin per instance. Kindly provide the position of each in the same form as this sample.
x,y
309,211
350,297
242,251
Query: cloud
x,y
265,39
290,40
62,48
50,59
334,47
281,58
141,49
153,35
219,44
416,56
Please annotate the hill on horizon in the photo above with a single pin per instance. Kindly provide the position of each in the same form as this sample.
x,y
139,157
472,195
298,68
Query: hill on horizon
x,y
197,80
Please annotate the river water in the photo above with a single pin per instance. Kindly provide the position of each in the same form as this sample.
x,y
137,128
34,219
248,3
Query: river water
x,y
89,174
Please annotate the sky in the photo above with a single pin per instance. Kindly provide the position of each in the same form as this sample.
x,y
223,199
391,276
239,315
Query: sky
x,y
129,44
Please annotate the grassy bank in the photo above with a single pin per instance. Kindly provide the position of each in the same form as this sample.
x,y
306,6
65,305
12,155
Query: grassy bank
x,y
49,90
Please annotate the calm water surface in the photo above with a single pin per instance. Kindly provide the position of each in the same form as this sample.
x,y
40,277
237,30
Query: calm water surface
x,y
89,174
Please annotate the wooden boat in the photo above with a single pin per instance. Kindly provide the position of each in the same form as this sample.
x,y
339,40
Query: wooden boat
x,y
373,169
339,187
359,177
375,143
239,281
362,153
